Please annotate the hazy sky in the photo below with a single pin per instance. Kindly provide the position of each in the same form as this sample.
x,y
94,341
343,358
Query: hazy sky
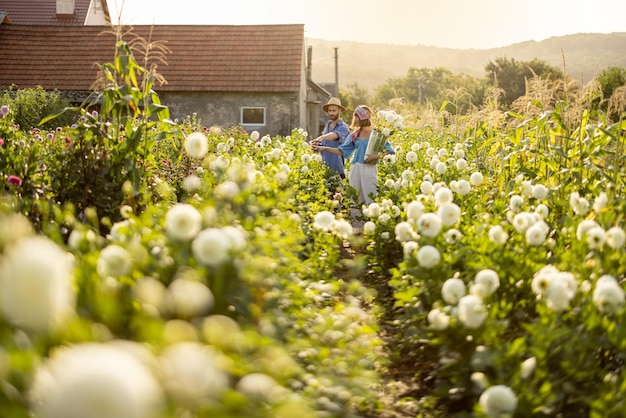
x,y
444,23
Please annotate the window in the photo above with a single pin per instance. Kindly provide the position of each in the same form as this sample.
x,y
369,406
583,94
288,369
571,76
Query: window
x,y
253,116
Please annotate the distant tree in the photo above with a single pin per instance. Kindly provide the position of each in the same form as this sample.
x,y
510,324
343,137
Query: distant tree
x,y
353,96
511,75
393,88
429,85
465,92
419,86
610,79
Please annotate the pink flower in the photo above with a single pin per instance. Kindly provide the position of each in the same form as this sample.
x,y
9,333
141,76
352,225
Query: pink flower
x,y
15,180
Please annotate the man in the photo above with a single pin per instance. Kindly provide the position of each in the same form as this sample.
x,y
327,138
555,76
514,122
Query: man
x,y
335,133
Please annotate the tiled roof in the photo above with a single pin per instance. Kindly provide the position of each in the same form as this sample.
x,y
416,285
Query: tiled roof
x,y
253,58
43,12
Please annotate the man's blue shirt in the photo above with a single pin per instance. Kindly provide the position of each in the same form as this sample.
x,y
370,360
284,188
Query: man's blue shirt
x,y
333,161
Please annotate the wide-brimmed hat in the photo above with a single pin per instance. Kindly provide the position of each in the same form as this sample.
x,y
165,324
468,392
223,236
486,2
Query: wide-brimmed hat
x,y
333,101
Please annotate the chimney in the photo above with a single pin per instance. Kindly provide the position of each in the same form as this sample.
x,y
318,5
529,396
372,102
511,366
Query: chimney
x,y
65,7
309,59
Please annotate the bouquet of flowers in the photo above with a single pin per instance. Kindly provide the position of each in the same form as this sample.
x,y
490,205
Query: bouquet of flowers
x,y
387,122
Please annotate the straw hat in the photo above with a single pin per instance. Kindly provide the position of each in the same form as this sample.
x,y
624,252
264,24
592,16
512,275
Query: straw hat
x,y
334,101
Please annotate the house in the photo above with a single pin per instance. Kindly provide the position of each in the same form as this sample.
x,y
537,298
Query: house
x,y
56,12
254,76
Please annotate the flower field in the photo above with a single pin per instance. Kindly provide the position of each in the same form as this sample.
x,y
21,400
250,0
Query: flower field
x,y
158,268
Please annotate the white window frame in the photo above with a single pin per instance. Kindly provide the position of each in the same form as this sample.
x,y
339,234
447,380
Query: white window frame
x,y
244,108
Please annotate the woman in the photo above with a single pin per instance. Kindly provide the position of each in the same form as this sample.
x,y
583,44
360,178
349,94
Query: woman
x,y
363,175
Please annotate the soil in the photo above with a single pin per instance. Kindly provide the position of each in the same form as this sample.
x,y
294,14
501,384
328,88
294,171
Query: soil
x,y
400,390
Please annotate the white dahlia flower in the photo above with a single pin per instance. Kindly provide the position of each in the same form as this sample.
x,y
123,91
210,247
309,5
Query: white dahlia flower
x,y
453,290
114,262
196,145
191,374
472,312
428,256
183,222
36,284
498,401
95,380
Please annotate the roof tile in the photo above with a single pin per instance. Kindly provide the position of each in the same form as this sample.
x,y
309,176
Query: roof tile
x,y
43,12
248,58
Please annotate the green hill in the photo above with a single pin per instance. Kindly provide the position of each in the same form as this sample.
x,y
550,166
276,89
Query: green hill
x,y
583,56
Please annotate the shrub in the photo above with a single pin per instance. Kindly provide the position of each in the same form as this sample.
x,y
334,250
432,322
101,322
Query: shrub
x,y
30,106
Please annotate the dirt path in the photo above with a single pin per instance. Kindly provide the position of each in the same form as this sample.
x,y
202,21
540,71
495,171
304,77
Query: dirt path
x,y
400,388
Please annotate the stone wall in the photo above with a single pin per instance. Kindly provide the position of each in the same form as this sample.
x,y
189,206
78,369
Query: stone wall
x,y
224,109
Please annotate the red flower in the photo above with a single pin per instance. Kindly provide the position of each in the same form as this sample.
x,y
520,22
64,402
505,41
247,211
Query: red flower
x,y
15,180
